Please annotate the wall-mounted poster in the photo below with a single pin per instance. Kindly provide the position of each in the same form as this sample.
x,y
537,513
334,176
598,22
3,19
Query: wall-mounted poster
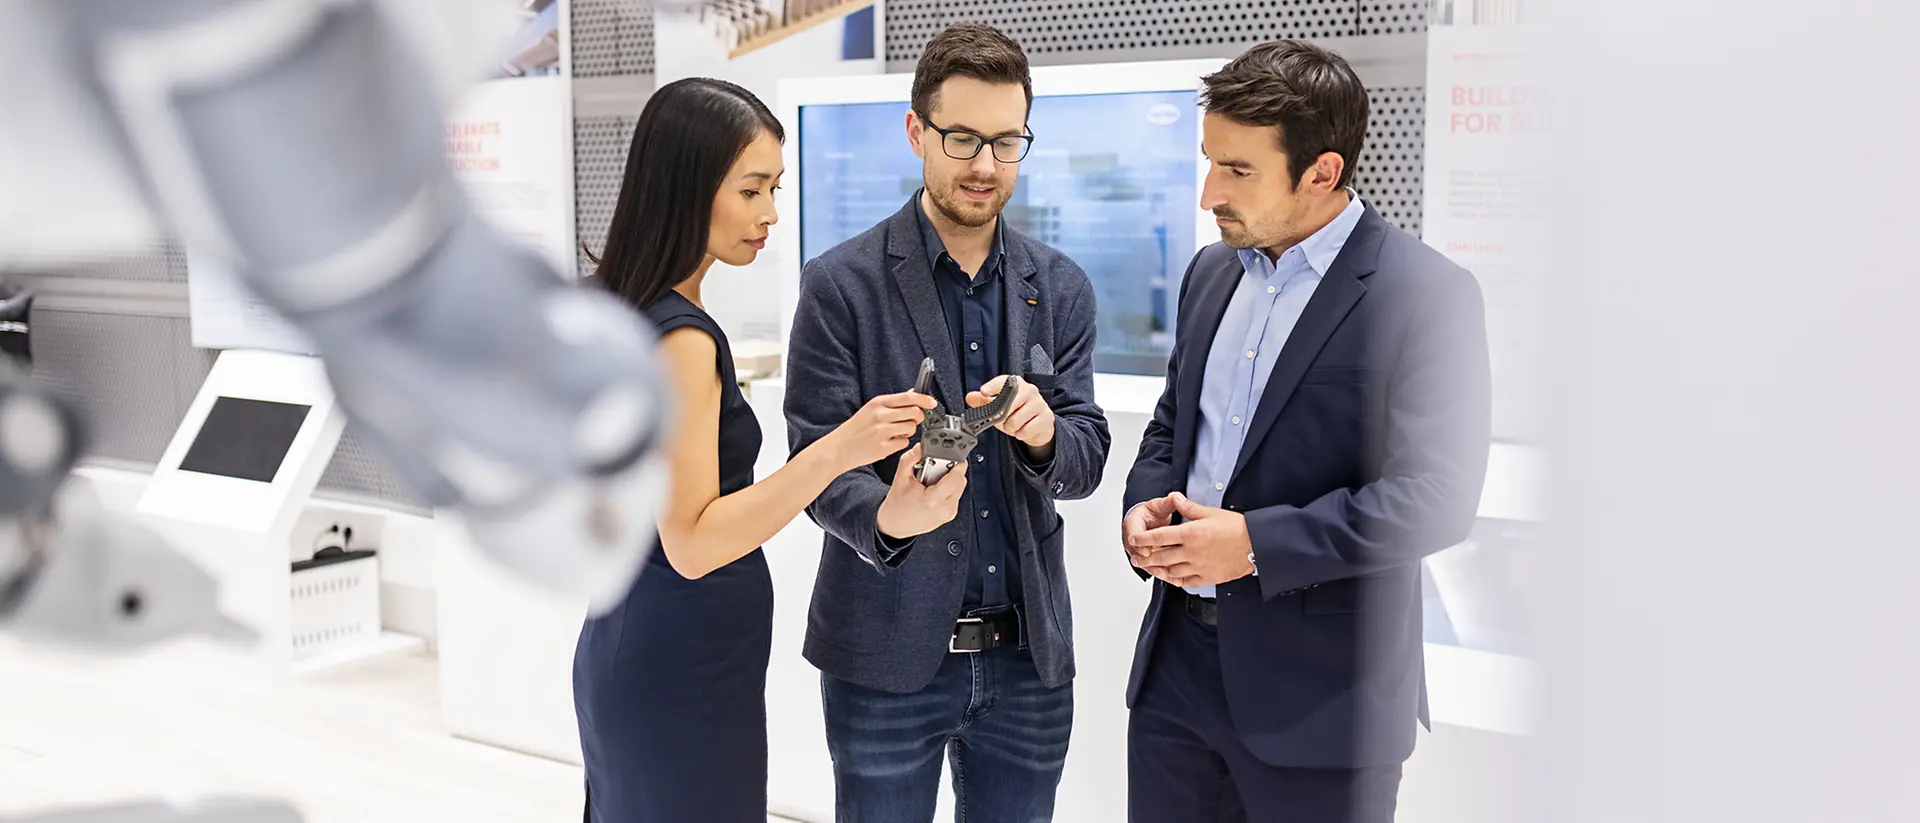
x,y
1483,184
510,138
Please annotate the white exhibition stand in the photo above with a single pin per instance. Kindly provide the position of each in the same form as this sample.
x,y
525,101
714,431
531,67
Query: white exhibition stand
x,y
243,529
506,655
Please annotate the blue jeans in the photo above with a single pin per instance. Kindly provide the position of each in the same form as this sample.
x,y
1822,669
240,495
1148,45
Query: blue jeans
x,y
1003,730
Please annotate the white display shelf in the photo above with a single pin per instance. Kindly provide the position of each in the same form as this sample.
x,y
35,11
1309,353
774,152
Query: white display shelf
x,y
387,644
1482,690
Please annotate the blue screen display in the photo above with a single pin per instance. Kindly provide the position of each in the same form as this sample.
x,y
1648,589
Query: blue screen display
x,y
1110,182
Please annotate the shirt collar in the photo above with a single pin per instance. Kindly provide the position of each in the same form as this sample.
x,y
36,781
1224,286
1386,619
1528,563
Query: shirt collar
x,y
937,248
1322,247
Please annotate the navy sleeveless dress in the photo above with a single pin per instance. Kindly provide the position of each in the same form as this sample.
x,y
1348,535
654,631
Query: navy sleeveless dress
x,y
670,687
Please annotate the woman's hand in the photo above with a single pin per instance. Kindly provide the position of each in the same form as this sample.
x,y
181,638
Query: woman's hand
x,y
883,426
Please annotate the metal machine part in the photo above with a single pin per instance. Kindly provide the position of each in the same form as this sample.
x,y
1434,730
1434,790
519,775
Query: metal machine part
x,y
947,439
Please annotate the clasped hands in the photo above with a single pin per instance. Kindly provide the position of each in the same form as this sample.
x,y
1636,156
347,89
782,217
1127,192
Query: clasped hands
x,y
911,509
1210,548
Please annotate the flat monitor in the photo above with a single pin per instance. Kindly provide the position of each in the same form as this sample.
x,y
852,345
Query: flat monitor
x,y
1112,181
245,439
251,446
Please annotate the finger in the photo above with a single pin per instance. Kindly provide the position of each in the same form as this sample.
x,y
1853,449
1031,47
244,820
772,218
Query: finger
x,y
1019,419
1165,536
903,474
1154,538
905,400
992,387
896,431
1170,556
976,399
1189,509
897,414
1161,506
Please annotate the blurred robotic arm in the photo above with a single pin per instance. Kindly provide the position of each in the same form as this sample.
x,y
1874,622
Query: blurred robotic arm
x,y
299,144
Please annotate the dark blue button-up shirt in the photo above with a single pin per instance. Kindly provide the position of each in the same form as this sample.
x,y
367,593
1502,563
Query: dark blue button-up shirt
x,y
975,309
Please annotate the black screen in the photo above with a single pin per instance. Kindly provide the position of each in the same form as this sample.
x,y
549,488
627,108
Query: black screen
x,y
244,439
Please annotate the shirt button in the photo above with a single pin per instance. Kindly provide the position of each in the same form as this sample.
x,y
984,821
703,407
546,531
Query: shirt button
x,y
1249,354
953,548
1271,289
983,514
993,570
1219,487
975,346
979,458
1236,420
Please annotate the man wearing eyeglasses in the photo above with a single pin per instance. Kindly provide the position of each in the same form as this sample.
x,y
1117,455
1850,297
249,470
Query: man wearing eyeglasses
x,y
940,618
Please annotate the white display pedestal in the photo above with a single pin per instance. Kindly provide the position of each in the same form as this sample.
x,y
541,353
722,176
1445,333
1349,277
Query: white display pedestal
x,y
230,487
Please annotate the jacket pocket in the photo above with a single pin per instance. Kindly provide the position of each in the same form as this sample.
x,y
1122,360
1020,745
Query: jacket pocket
x,y
854,607
1053,563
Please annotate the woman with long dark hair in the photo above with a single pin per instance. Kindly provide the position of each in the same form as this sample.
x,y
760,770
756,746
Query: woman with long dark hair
x,y
670,687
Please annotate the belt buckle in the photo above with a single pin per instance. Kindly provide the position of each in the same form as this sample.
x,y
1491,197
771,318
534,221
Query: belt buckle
x,y
960,622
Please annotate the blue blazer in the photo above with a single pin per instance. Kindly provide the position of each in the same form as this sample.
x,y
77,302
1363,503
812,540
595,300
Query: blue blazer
x,y
869,311
1366,454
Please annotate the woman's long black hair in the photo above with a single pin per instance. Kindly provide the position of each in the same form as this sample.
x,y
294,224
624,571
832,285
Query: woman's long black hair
x,y
688,137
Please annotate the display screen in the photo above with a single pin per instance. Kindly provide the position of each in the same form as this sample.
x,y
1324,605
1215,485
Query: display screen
x,y
244,439
1110,182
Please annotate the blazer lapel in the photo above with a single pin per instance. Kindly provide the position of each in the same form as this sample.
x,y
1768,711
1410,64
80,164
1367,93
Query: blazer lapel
x,y
1021,298
923,306
1212,296
1336,296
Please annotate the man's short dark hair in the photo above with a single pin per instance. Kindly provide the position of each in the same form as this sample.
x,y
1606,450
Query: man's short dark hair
x,y
1310,93
973,50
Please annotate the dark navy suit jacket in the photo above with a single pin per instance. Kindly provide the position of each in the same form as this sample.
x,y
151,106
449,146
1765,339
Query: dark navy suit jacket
x,y
1367,453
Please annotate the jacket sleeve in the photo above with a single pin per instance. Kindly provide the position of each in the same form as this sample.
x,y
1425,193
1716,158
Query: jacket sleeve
x,y
1080,436
823,390
1152,473
1439,422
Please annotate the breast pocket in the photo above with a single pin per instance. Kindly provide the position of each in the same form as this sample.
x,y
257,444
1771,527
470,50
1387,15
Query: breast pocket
x,y
1335,376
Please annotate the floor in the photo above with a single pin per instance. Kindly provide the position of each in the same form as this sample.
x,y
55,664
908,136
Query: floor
x,y
361,745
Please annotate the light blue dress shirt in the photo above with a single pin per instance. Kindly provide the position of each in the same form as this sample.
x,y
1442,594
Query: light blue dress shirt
x,y
1260,316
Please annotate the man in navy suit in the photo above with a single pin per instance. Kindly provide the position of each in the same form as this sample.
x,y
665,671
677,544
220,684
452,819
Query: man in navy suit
x,y
1324,427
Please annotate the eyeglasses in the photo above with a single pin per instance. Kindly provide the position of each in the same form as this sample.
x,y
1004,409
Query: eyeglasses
x,y
965,145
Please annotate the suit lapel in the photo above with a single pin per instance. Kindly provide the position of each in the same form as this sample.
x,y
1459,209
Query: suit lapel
x,y
1212,296
923,306
1021,297
1336,296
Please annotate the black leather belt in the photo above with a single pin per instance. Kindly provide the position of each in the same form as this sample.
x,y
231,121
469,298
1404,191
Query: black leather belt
x,y
985,631
1205,610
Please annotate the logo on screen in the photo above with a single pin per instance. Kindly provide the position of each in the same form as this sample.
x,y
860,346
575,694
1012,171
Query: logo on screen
x,y
1163,114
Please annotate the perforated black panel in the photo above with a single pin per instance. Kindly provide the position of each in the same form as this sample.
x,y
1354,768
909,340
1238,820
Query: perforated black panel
x,y
599,162
611,38
357,474
1390,174
133,377
1049,29
162,263
1376,17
